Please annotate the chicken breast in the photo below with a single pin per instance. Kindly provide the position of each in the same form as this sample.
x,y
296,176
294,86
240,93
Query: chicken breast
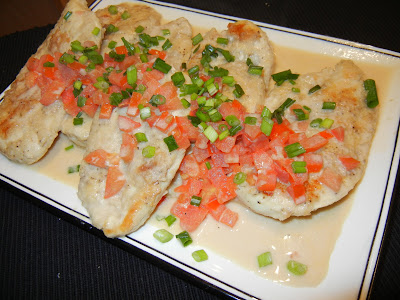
x,y
147,179
28,128
344,86
246,42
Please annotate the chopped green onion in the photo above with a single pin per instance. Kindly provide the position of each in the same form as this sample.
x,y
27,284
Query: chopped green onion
x,y
128,46
218,72
255,70
67,15
161,65
296,268
238,91
294,149
278,113
194,120
299,166
249,62
170,219
266,113
69,147
195,200
266,126
208,165
229,80
157,100
77,84
202,126
141,137
81,101
96,31
250,120
185,238
163,235
112,44
235,130
203,116
74,169
280,77
95,57
149,151
139,29
224,134
212,89
226,54
239,178
166,32
185,103
197,39
178,79
171,143
329,105
307,108
232,120
215,115
145,113
116,99
143,58
372,94
200,255
111,28
83,59
48,64
264,259
295,90
78,120
316,122
112,9
67,58
314,89
211,134
222,41
125,15
326,123
300,114
167,44
131,75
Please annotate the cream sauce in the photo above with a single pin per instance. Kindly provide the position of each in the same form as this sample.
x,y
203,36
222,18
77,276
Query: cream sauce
x,y
309,240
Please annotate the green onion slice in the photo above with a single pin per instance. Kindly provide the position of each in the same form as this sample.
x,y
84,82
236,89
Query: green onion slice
x,y
170,219
372,94
131,74
139,29
296,267
197,39
69,147
329,105
266,126
314,89
326,123
74,169
264,259
145,113
294,149
125,15
163,235
223,41
149,151
239,178
185,238
211,134
250,120
195,200
157,100
141,137
67,15
178,79
167,44
280,77
255,70
316,122
299,166
171,143
161,65
112,9
200,255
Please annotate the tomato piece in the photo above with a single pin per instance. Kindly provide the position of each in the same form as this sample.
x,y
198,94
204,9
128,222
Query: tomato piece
x,y
115,181
186,127
262,160
193,187
219,160
314,162
253,131
201,154
159,53
331,179
297,192
278,131
190,216
126,124
226,186
190,166
106,111
266,180
281,173
229,217
226,145
128,146
296,137
202,141
338,133
76,66
181,139
90,109
221,213
233,156
69,102
52,92
133,109
314,142
32,63
165,121
121,50
101,158
232,108
349,163
128,61
326,134
117,78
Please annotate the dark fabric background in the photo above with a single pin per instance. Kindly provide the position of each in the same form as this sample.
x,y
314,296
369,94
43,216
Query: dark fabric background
x,y
45,253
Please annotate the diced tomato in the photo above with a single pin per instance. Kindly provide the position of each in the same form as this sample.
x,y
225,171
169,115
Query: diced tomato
x,y
193,187
314,142
90,109
338,133
97,72
121,50
152,75
297,192
226,186
160,54
100,98
226,144
31,78
281,173
49,72
349,163
115,181
69,101
106,111
190,166
152,119
326,134
186,127
133,109
117,78
126,124
76,66
222,214
101,158
181,139
331,179
128,61
165,121
233,156
262,160
52,92
253,131
190,216
278,131
128,146
314,162
266,180
218,160
32,64
201,154
296,137
201,141
232,108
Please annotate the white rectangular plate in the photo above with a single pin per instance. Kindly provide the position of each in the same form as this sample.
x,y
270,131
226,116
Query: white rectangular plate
x,y
354,257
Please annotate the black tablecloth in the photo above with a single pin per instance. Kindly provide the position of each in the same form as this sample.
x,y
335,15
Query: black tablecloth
x,y
45,253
